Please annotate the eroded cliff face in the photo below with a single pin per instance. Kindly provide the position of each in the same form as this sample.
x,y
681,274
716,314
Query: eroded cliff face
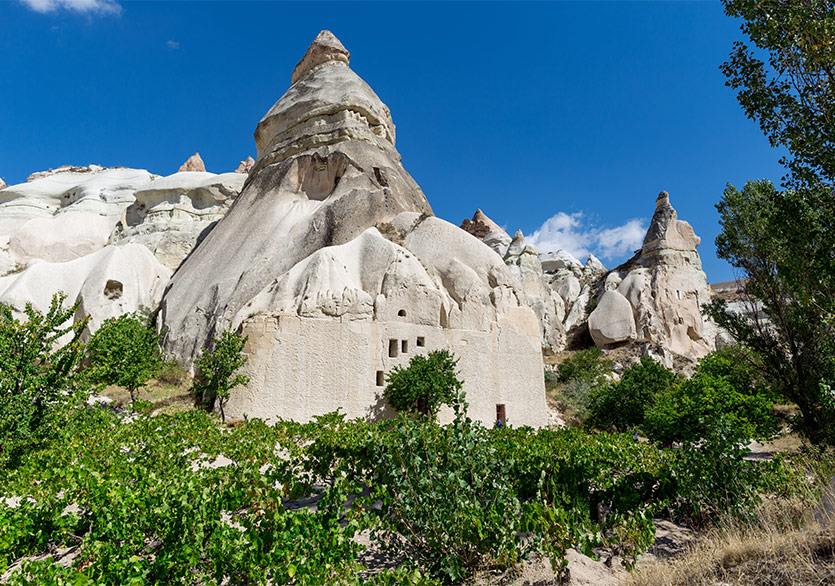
x,y
331,261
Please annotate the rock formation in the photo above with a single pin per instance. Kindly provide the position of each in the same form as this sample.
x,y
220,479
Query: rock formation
x,y
664,286
58,230
246,166
107,283
63,214
170,214
193,164
331,262
488,232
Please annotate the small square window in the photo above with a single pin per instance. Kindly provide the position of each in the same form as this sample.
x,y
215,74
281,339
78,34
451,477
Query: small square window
x,y
421,342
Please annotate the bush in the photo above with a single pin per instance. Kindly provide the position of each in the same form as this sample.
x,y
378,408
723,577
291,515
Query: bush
x,y
712,477
173,374
447,500
721,386
124,351
586,365
427,383
621,405
39,376
218,368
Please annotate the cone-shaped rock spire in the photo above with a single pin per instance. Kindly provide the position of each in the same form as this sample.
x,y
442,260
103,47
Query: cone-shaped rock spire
x,y
325,48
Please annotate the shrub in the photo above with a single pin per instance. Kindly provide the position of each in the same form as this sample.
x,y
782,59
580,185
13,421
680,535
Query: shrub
x,y
172,373
218,368
721,386
586,365
39,376
621,405
711,475
124,351
427,383
447,501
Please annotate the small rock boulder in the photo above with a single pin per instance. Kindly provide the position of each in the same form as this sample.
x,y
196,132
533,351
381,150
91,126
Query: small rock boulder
x,y
612,321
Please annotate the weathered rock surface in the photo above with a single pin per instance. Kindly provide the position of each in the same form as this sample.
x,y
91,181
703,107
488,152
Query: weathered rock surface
x,y
344,273
488,232
109,282
64,214
170,214
554,261
612,321
665,287
246,166
193,164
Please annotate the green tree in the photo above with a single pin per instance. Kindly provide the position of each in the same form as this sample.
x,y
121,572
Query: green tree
x,y
621,405
218,369
792,93
427,383
782,240
124,351
722,387
39,375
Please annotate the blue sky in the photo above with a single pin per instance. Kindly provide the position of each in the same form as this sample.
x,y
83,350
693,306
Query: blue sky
x,y
562,119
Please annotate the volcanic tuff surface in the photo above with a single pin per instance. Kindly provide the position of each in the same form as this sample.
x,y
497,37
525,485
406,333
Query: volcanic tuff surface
x,y
330,259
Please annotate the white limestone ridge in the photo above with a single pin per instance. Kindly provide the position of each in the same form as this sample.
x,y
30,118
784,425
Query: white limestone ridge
x,y
331,261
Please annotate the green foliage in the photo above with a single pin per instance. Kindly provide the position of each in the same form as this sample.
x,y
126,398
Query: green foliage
x,y
427,383
586,365
447,501
39,382
621,405
792,275
124,351
722,386
219,367
576,377
151,510
791,93
712,477
782,241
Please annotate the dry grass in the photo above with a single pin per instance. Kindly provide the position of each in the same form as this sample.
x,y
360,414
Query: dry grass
x,y
784,545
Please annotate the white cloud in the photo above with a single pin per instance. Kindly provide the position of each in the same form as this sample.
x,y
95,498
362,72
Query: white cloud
x,y
578,236
83,6
172,44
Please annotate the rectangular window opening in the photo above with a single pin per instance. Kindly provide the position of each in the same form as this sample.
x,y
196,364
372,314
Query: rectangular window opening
x,y
392,348
404,346
380,378
421,342
501,415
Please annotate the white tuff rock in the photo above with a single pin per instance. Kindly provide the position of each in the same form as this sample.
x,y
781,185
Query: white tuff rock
x,y
332,264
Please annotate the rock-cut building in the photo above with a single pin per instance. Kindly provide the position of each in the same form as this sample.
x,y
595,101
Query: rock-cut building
x,y
331,262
